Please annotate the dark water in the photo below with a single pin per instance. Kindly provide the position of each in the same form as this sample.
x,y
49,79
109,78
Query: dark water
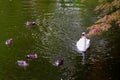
x,y
59,25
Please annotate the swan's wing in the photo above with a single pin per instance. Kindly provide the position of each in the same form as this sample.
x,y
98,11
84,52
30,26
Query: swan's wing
x,y
87,43
81,44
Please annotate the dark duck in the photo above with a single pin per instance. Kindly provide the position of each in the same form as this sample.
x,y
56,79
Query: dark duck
x,y
30,23
9,41
58,62
22,63
32,56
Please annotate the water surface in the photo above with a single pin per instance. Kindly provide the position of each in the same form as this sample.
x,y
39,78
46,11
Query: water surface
x,y
59,26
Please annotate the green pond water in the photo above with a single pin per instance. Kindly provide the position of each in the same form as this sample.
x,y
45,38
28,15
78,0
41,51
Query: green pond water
x,y
59,26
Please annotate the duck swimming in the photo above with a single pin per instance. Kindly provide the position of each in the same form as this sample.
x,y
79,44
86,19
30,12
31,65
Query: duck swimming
x,y
22,63
32,56
9,41
58,62
83,44
30,23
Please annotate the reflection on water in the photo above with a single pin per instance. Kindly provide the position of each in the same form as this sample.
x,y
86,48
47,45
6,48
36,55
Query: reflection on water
x,y
59,25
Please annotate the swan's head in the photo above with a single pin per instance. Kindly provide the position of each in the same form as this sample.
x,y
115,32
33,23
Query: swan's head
x,y
83,33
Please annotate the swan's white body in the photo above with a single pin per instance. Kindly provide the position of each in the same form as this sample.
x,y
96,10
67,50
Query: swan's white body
x,y
83,44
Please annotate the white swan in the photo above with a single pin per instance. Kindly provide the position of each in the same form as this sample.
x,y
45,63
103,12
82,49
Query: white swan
x,y
83,44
